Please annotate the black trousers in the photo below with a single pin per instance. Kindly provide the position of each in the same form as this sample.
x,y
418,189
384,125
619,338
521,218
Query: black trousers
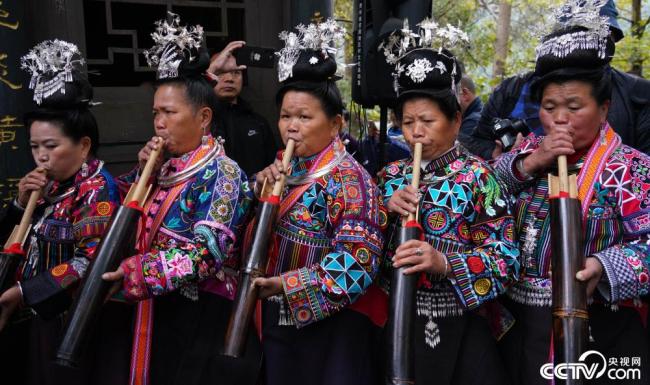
x,y
467,353
28,348
187,342
339,350
615,334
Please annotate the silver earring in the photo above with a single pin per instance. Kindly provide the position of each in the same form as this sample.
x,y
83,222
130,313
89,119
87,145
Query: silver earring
x,y
204,138
84,169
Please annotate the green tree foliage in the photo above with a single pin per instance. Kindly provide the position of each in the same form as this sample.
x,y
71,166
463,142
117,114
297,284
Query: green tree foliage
x,y
631,47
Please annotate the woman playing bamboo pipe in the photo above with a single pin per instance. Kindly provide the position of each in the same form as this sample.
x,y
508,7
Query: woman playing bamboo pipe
x,y
574,92
193,218
327,241
469,255
78,198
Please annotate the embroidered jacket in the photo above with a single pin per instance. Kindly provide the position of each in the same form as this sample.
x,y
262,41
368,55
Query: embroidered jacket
x,y
616,220
191,226
465,213
328,237
64,236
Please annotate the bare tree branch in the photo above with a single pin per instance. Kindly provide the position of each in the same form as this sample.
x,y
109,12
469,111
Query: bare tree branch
x,y
485,5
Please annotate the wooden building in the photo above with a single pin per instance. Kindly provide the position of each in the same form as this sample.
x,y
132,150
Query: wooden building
x,y
112,35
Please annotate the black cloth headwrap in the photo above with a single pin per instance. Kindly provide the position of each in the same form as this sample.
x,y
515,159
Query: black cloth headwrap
x,y
437,83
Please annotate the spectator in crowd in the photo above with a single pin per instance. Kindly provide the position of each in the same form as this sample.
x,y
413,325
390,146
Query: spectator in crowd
x,y
396,135
470,107
351,144
249,140
396,148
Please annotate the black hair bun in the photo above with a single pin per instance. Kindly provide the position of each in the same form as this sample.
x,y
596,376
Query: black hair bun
x,y
75,94
313,66
197,66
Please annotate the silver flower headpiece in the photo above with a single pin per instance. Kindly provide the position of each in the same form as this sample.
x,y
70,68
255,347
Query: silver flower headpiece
x,y
326,36
172,42
577,13
431,36
53,60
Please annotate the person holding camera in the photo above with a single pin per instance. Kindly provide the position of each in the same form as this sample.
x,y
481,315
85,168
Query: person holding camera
x,y
629,112
248,138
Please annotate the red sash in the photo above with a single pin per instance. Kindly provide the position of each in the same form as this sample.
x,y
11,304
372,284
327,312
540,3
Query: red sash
x,y
141,352
594,165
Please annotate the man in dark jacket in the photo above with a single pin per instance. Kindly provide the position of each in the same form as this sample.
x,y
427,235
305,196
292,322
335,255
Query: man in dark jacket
x,y
470,106
249,140
629,111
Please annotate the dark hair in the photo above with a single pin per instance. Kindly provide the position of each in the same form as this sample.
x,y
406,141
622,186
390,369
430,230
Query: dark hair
x,y
326,92
346,115
75,123
599,80
198,91
468,83
447,104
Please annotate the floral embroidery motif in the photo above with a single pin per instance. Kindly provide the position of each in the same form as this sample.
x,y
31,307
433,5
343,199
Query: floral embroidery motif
x,y
198,232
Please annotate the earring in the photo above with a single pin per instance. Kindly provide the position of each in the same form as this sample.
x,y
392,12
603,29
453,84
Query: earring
x,y
603,139
84,170
205,137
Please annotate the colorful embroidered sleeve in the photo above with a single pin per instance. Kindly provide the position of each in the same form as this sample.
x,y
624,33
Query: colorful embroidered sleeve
x,y
356,217
625,264
392,178
506,169
483,272
125,181
212,209
47,293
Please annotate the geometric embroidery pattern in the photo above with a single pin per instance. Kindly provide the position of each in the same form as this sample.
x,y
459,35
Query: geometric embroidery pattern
x,y
450,195
347,273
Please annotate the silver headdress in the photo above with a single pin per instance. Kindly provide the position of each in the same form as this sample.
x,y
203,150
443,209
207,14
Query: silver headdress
x,y
51,64
577,13
326,36
430,36
172,42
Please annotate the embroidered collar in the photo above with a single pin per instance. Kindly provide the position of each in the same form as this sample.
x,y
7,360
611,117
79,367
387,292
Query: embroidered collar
x,y
306,169
179,169
300,166
57,191
443,160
